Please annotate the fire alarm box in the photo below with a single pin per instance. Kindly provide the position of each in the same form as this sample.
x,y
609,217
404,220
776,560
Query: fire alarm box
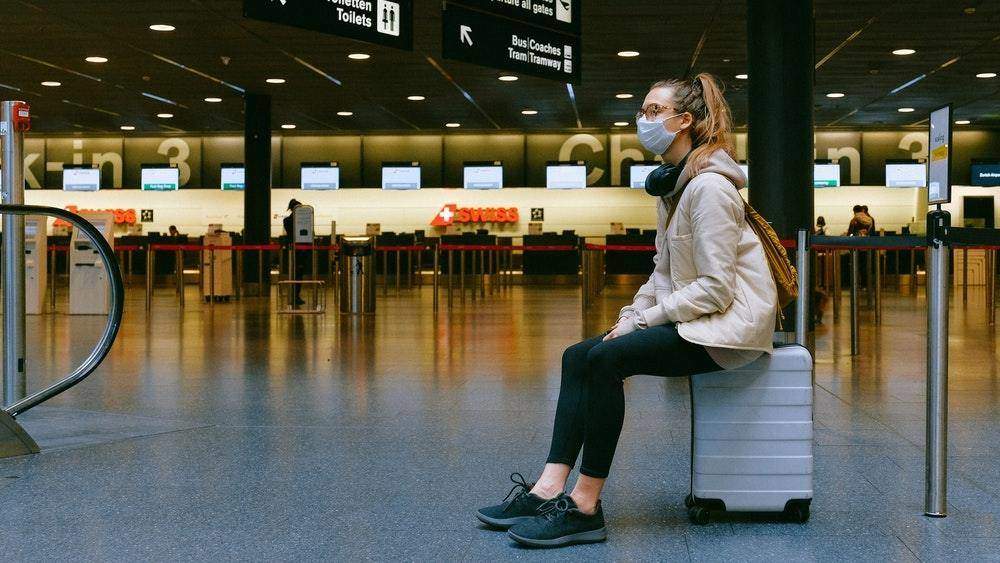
x,y
21,115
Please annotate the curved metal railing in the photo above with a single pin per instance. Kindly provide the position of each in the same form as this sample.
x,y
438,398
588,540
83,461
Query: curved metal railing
x,y
117,289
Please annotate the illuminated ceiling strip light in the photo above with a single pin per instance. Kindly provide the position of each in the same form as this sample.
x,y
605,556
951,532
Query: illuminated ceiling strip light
x,y
908,84
844,43
465,94
192,70
161,99
572,101
92,108
50,65
317,71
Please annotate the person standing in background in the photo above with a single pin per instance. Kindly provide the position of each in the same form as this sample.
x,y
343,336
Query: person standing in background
x,y
872,229
301,256
861,224
820,229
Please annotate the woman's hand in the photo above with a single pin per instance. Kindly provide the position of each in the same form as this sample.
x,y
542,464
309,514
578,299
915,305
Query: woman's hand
x,y
624,326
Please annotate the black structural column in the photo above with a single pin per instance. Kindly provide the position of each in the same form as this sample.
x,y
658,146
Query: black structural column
x,y
257,194
780,126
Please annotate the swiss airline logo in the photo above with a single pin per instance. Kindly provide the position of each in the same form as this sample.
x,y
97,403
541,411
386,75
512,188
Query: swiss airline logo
x,y
451,214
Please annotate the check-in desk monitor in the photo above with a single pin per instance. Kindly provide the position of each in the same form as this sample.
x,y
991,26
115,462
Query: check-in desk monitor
x,y
233,177
303,224
482,175
89,292
401,176
638,172
905,174
566,175
82,178
36,263
826,175
320,176
160,178
985,172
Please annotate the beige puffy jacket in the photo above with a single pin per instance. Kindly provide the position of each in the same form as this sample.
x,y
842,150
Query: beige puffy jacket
x,y
710,275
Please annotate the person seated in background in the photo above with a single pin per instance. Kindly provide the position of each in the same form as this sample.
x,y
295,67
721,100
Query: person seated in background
x,y
861,224
820,226
173,232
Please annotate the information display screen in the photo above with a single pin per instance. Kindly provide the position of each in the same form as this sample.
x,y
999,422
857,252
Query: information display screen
x,y
482,176
905,175
320,176
638,171
826,175
81,179
985,173
233,177
401,176
160,179
566,176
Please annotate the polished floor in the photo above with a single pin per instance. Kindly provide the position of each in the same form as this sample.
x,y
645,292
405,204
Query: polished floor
x,y
233,433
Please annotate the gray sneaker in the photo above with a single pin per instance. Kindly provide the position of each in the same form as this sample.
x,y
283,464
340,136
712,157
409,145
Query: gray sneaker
x,y
560,523
521,508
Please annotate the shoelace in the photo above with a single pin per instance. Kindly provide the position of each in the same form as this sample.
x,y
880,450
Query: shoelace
x,y
553,508
519,483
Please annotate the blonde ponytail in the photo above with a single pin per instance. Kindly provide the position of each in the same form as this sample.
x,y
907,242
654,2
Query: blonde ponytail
x,y
712,130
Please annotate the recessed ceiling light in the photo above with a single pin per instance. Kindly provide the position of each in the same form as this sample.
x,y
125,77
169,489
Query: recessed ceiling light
x,y
51,83
986,75
621,123
835,95
345,113
903,52
416,98
213,100
127,127
98,60
164,115
359,56
623,96
452,125
288,126
529,112
628,54
162,27
507,78
275,81
962,122
742,77
906,110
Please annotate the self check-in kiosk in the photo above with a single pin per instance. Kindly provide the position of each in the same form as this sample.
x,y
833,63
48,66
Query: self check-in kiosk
x,y
303,224
88,278
217,242
36,263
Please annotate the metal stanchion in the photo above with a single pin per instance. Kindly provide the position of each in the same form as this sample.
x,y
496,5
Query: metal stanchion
x,y
965,276
398,270
52,281
451,274
935,501
913,271
854,302
802,302
461,279
482,273
836,284
260,272
211,273
239,274
149,278
437,262
179,269
385,273
991,287
878,286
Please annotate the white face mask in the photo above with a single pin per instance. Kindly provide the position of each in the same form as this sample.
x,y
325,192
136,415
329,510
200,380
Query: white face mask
x,y
654,135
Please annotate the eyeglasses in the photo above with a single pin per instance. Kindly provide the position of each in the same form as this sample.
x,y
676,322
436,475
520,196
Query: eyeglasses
x,y
652,110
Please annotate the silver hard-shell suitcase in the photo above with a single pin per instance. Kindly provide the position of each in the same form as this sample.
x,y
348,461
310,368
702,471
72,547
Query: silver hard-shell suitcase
x,y
752,437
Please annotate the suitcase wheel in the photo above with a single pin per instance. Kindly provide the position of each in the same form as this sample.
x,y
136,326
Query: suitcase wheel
x,y
798,512
698,515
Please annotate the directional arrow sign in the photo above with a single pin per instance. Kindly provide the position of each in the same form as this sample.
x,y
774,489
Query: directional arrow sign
x,y
385,22
506,44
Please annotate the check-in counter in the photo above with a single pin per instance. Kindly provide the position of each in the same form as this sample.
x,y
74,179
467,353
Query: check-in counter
x,y
620,262
551,262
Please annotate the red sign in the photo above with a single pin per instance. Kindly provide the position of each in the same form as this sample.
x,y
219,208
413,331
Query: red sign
x,y
451,214
122,216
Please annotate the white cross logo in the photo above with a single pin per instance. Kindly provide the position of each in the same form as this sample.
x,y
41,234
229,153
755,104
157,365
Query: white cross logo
x,y
446,214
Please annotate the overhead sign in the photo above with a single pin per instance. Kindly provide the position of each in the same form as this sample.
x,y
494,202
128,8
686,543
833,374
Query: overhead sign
x,y
507,44
560,15
451,214
384,22
938,165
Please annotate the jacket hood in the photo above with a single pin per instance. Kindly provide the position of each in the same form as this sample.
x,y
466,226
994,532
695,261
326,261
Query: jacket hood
x,y
720,163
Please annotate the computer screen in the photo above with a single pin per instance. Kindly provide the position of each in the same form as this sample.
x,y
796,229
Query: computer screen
x,y
233,177
985,173
826,175
905,175
320,176
638,171
160,178
566,176
401,176
482,176
82,179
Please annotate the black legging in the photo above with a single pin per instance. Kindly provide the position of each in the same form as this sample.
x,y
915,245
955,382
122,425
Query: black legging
x,y
591,399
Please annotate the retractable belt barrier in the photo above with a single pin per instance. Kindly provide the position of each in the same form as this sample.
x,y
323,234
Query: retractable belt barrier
x,y
414,259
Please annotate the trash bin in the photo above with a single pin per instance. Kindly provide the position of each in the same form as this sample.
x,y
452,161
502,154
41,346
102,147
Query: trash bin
x,y
357,279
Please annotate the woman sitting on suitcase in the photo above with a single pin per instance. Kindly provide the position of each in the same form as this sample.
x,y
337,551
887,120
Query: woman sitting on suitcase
x,y
709,304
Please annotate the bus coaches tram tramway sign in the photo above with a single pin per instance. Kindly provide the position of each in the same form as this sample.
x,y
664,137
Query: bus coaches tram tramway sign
x,y
383,22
